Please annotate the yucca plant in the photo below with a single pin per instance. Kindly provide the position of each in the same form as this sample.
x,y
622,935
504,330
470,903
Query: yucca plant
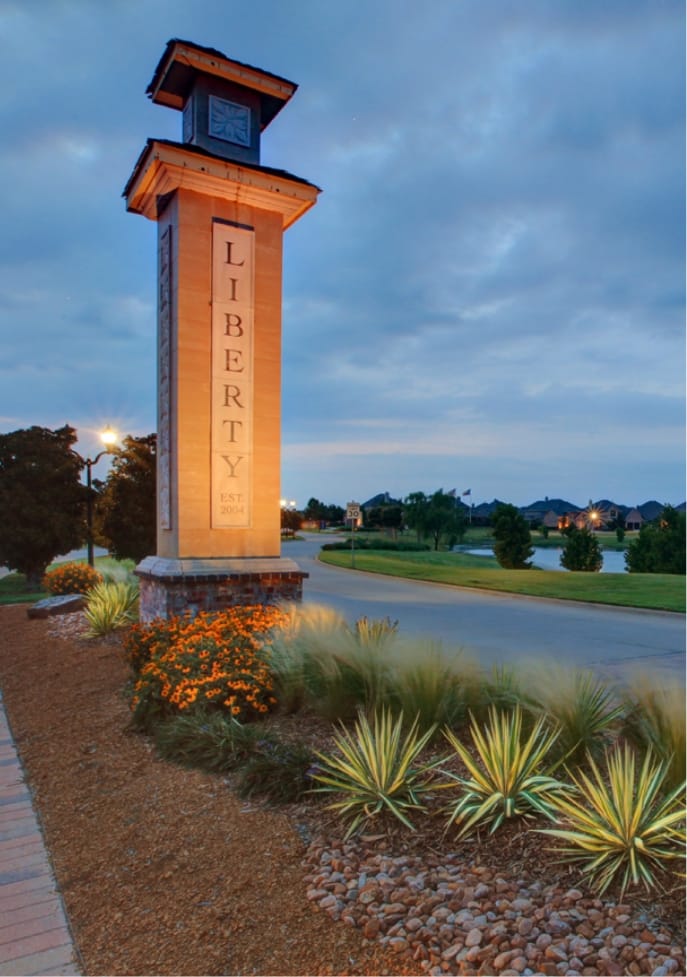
x,y
583,706
654,718
110,606
508,778
374,771
622,825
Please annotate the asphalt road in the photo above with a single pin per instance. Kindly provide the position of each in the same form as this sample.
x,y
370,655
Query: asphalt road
x,y
501,628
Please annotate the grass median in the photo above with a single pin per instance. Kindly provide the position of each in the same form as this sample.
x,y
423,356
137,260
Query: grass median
x,y
655,591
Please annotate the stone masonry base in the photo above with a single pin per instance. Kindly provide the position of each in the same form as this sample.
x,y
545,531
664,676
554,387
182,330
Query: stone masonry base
x,y
170,587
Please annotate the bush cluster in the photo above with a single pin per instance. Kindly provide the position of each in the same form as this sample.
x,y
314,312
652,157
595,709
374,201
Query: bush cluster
x,y
378,544
212,661
71,578
552,745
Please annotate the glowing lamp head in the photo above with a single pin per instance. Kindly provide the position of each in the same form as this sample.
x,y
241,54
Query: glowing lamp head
x,y
108,437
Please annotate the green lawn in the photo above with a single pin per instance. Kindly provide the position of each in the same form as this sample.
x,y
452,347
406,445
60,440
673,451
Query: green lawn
x,y
658,591
13,586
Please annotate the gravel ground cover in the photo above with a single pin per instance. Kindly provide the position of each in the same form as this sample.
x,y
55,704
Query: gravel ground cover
x,y
167,871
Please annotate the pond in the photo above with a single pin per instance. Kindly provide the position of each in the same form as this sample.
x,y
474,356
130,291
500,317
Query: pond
x,y
550,559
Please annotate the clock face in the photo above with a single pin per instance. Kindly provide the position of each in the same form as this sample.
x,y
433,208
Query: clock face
x,y
229,121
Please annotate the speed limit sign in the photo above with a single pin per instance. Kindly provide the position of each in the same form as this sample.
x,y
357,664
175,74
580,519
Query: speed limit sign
x,y
353,510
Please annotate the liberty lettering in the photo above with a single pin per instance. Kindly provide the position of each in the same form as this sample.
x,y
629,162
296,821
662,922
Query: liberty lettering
x,y
238,264
232,465
232,361
232,439
232,393
232,324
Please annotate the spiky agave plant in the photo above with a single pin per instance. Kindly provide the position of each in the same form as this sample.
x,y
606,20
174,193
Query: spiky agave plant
x,y
509,777
622,825
111,605
374,772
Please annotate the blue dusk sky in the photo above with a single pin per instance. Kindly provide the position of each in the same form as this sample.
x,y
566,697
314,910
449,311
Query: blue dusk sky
x,y
489,293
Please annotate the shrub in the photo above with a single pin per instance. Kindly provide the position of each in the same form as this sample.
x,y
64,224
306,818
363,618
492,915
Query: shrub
x,y
660,546
374,771
654,718
429,685
319,662
581,551
509,780
620,827
207,741
71,578
399,545
583,707
213,662
512,539
111,605
276,770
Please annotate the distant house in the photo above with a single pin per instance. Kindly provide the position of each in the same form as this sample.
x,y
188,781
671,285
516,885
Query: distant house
x,y
633,520
537,511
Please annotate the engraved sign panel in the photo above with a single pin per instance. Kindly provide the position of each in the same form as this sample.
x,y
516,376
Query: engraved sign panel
x,y
164,346
233,249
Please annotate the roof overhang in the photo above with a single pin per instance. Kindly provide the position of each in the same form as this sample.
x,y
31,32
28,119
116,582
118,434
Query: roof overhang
x,y
164,167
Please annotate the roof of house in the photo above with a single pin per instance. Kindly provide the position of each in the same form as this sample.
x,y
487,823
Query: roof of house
x,y
651,510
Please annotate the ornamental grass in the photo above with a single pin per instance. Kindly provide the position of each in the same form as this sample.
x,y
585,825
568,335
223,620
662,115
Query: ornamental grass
x,y
215,662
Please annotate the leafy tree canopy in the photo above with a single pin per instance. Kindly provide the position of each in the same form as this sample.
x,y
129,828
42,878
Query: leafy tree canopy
x,y
319,512
512,539
581,550
435,516
660,546
126,506
42,500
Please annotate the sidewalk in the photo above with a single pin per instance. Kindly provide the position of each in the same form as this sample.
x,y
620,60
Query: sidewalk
x,y
34,934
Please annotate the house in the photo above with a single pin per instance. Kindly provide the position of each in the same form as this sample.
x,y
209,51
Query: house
x,y
536,512
633,520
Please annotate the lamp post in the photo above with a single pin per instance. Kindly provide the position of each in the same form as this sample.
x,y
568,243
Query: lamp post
x,y
109,439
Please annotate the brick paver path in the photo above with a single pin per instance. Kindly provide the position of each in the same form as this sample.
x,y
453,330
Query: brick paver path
x,y
34,935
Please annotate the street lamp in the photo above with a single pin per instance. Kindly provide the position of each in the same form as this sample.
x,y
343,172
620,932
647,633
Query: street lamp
x,y
109,439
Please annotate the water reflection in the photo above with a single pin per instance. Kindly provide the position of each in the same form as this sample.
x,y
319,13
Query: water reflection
x,y
550,559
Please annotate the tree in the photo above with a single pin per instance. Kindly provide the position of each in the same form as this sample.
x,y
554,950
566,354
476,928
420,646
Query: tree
x,y
291,519
385,517
42,500
436,516
660,546
512,539
581,550
317,511
126,506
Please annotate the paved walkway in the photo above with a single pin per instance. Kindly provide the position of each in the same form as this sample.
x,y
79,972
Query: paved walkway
x,y
34,934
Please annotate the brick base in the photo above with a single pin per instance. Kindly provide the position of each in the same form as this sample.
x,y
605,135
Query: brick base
x,y
173,587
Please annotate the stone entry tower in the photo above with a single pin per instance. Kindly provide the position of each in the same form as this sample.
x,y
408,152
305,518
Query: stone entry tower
x,y
221,216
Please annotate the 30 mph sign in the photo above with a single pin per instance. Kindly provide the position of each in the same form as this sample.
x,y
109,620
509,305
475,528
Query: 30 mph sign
x,y
353,510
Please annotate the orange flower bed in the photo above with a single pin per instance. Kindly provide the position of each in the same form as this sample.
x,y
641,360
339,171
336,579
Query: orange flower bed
x,y
212,661
71,578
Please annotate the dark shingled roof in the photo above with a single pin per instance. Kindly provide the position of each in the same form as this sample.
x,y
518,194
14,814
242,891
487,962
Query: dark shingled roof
x,y
208,50
188,147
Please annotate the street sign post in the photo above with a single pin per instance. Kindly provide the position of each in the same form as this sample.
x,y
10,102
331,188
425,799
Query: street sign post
x,y
353,514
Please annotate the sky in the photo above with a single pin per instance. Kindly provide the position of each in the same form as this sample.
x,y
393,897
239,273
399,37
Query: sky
x,y
489,293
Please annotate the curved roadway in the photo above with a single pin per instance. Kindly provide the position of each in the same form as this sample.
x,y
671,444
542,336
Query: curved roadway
x,y
502,627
